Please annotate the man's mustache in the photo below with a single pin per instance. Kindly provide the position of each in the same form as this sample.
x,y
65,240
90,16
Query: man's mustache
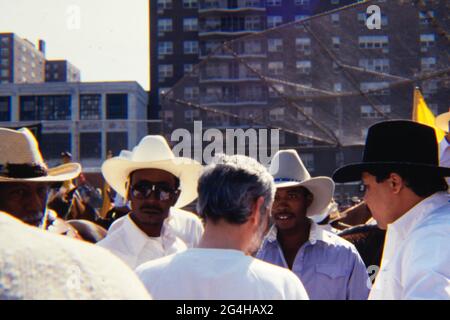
x,y
152,208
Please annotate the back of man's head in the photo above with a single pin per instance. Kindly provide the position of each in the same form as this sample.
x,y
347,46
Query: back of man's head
x,y
230,186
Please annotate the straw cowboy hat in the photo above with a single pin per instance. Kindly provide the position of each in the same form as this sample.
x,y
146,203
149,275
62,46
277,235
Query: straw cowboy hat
x,y
21,160
153,152
288,170
396,143
442,121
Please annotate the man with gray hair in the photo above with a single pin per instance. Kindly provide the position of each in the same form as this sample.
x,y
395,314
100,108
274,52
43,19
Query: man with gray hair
x,y
235,197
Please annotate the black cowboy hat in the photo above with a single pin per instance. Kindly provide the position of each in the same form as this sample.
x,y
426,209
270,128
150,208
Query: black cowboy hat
x,y
396,143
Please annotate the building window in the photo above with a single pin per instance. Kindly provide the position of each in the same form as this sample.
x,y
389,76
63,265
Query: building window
x,y
165,47
56,107
302,2
253,23
337,87
90,145
90,107
253,93
252,47
164,25
191,115
116,141
304,141
4,41
276,90
190,47
275,67
377,65
273,3
274,21
336,41
211,24
301,17
191,93
167,117
247,71
334,19
165,71
308,161
52,144
369,112
188,69
427,41
117,106
275,45
164,4
303,45
374,42
4,73
4,52
190,4
5,109
303,66
380,88
429,87
334,1
428,64
426,18
190,24
277,114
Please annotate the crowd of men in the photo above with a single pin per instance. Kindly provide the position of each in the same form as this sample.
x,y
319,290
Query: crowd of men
x,y
255,234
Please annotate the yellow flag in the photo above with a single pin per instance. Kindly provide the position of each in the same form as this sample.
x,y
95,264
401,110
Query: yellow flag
x,y
422,114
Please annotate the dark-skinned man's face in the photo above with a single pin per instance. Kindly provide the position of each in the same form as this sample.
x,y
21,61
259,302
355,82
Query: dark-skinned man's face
x,y
153,208
289,207
25,200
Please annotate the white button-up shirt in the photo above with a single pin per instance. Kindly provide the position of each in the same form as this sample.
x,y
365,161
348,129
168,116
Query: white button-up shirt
x,y
416,256
186,225
134,247
444,155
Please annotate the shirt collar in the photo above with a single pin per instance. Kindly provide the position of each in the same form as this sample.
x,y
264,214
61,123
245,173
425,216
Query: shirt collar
x,y
443,145
315,234
404,225
137,239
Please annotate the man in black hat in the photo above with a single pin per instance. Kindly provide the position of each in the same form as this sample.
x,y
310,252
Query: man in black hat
x,y
407,194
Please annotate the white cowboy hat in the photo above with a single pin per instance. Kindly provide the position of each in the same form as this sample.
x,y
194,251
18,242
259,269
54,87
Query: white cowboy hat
x,y
442,121
153,152
288,170
19,148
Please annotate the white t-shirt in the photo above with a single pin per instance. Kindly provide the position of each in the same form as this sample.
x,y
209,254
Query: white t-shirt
x,y
36,264
211,274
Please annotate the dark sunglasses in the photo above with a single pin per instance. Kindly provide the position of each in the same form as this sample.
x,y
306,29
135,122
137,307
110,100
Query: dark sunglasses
x,y
143,190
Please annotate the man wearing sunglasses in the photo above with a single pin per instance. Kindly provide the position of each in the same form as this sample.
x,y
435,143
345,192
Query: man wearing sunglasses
x,y
157,184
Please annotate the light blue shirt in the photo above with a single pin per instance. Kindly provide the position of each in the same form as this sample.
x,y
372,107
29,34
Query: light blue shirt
x,y
329,267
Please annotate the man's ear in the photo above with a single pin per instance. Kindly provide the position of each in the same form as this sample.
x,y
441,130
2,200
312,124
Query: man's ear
x,y
255,215
396,183
127,190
